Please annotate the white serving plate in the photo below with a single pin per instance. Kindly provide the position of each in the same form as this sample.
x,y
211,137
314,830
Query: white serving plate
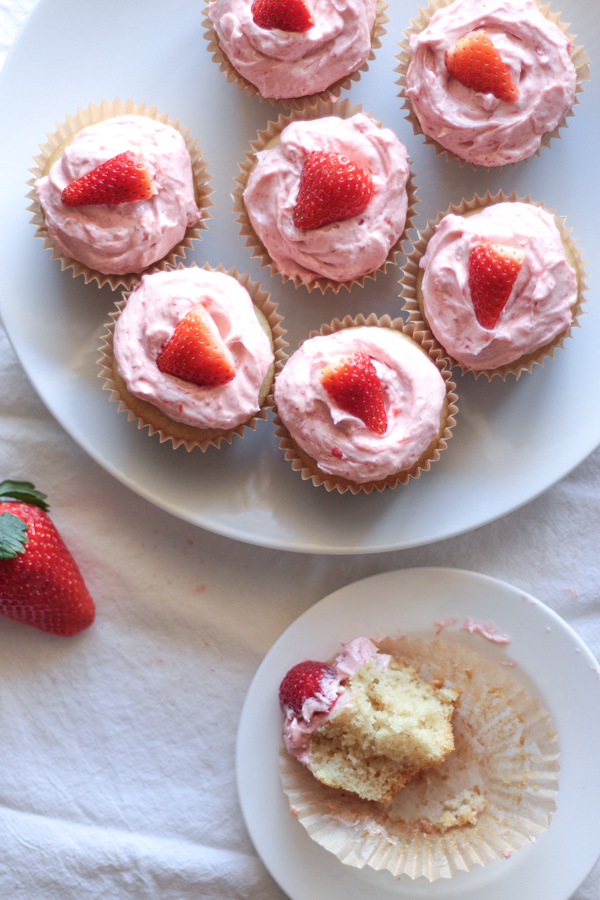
x,y
512,440
553,664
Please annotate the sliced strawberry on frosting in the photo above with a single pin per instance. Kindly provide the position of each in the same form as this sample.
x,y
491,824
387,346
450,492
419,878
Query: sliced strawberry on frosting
x,y
354,384
332,188
306,680
493,270
476,63
195,352
122,179
286,15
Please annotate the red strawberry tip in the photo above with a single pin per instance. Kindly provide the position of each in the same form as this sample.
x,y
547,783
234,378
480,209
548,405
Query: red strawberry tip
x,y
302,681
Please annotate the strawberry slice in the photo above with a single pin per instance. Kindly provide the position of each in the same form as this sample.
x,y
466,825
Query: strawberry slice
x,y
475,62
306,679
195,352
40,583
121,179
286,15
493,270
354,384
332,188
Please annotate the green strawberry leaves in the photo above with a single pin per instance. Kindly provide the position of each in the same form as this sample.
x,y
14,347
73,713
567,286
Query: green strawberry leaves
x,y
24,491
13,536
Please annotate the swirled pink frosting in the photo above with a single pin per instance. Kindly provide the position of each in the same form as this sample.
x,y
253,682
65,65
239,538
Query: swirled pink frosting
x,y
341,444
479,127
124,237
284,64
342,250
540,304
149,319
298,730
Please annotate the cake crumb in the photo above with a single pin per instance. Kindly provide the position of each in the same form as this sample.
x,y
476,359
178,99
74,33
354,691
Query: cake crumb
x,y
463,809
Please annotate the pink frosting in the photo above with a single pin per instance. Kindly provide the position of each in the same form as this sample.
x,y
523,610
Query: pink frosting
x,y
285,64
539,307
341,444
149,319
298,730
342,250
124,237
476,126
487,630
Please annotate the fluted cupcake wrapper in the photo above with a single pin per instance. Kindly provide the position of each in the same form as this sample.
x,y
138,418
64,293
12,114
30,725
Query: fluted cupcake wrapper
x,y
52,150
308,468
412,274
579,57
333,91
345,110
148,416
506,752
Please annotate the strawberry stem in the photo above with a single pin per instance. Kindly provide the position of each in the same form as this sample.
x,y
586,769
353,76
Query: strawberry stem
x,y
13,536
24,491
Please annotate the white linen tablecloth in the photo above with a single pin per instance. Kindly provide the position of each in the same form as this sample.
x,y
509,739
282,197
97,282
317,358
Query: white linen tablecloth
x,y
118,746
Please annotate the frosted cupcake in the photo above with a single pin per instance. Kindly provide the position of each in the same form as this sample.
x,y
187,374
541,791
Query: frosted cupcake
x,y
117,190
294,50
325,198
362,406
192,355
489,80
498,283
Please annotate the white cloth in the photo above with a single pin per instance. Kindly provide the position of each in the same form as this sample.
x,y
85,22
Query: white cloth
x,y
117,746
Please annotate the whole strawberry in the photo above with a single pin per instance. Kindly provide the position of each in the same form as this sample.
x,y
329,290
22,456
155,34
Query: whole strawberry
x,y
121,179
40,583
303,681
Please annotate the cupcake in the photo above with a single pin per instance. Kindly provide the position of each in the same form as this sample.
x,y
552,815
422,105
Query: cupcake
x,y
118,189
498,282
362,405
365,723
192,355
492,794
295,50
325,198
489,81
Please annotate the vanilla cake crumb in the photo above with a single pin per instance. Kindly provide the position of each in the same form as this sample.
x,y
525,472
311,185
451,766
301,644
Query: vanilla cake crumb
x,y
463,809
392,725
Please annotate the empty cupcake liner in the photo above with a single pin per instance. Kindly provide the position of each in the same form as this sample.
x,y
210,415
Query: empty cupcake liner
x,y
505,759
307,467
412,275
345,110
148,416
52,150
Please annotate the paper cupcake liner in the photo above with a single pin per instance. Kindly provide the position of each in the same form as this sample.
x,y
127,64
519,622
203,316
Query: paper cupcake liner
x,y
345,110
148,416
308,468
579,58
411,279
52,149
333,91
506,752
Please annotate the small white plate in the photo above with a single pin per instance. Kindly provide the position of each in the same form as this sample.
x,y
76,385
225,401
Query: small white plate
x,y
512,440
552,663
